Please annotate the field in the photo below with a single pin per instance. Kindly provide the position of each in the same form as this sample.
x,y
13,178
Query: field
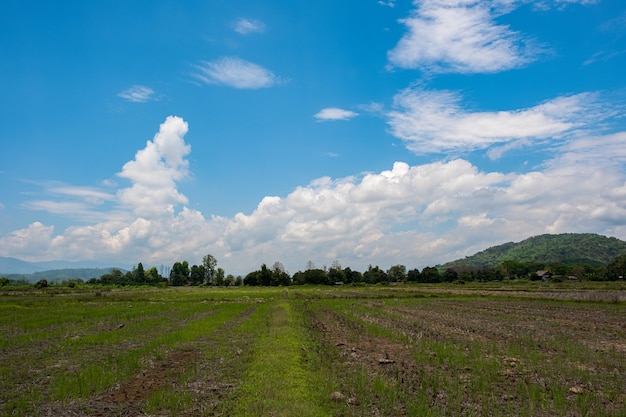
x,y
533,349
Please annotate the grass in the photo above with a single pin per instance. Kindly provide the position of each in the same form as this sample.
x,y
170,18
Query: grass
x,y
495,350
280,380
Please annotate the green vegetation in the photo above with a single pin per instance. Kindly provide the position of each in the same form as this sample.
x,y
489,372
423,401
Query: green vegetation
x,y
507,348
569,249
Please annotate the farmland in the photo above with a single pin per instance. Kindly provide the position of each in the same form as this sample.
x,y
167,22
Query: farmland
x,y
533,349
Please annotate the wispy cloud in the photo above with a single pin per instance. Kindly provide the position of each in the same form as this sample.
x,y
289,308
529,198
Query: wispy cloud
x,y
388,3
245,26
461,36
237,73
616,24
73,201
334,113
434,121
137,94
603,56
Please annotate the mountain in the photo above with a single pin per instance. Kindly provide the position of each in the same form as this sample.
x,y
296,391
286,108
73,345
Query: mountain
x,y
17,269
61,274
9,266
567,248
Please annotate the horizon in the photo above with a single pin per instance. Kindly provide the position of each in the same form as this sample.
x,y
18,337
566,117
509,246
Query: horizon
x,y
377,132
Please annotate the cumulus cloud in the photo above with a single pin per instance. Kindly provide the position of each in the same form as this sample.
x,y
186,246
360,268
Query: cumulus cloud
x,y
155,171
334,113
237,73
137,94
416,215
461,36
23,243
435,121
245,26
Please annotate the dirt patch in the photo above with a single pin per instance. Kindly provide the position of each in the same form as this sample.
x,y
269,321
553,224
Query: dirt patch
x,y
210,358
161,374
466,356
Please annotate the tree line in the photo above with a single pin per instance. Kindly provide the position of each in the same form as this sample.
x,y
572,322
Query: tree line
x,y
208,274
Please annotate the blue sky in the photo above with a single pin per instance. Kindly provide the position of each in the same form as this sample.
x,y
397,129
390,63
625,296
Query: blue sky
x,y
362,131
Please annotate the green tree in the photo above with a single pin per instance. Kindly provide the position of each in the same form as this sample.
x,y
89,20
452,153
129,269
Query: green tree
x,y
230,280
335,273
315,276
139,275
265,276
375,275
252,279
4,281
414,275
179,275
450,275
616,269
219,277
279,275
152,276
197,275
42,283
299,278
114,277
352,276
397,273
209,263
430,274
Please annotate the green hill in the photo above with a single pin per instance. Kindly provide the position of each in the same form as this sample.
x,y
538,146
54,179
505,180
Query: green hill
x,y
568,248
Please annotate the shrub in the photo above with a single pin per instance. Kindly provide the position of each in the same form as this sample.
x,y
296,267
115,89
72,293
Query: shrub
x,y
42,283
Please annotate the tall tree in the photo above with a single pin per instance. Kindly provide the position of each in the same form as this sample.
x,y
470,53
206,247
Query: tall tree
x,y
139,275
209,263
179,275
335,273
430,274
219,277
397,273
414,275
279,275
197,275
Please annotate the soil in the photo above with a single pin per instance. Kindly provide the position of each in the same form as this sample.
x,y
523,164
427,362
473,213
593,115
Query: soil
x,y
577,336
213,379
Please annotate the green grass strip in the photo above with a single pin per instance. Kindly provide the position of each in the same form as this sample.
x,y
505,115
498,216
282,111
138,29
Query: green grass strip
x,y
279,382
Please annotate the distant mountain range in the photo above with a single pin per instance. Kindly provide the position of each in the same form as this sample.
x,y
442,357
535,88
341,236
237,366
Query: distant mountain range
x,y
17,269
568,248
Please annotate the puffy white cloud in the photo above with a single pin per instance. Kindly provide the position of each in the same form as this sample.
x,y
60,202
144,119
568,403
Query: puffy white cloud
x,y
334,113
461,36
414,215
434,121
245,26
237,73
34,240
137,94
155,170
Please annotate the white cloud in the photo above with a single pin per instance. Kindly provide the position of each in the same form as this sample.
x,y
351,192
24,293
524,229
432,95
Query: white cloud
x,y
434,121
461,36
237,73
245,26
137,94
415,215
24,243
155,170
334,113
